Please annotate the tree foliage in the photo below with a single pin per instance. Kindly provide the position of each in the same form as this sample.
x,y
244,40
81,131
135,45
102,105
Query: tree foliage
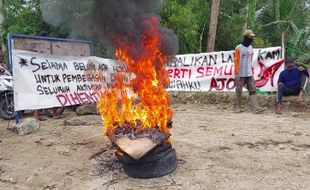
x,y
270,20
286,22
187,19
25,17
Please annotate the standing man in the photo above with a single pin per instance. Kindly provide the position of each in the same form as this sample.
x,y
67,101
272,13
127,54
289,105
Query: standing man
x,y
244,72
37,115
292,81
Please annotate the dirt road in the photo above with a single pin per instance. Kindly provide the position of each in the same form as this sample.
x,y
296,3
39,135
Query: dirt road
x,y
216,149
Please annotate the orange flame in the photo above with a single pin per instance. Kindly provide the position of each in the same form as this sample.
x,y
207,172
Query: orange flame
x,y
143,100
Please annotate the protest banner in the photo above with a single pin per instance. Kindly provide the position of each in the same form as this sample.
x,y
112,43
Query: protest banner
x,y
45,81
215,71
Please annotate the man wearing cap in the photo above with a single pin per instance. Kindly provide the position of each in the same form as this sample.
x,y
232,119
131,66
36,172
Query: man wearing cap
x,y
244,72
292,81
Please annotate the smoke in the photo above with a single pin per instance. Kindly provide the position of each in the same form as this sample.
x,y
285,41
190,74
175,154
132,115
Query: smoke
x,y
109,20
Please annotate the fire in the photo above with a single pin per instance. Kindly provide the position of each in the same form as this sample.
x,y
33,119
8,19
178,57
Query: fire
x,y
140,102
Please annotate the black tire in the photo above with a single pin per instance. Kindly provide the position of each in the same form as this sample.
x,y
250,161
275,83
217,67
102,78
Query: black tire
x,y
159,162
7,108
49,112
166,164
155,154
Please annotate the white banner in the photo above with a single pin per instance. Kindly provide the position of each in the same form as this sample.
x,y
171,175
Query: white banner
x,y
215,71
45,81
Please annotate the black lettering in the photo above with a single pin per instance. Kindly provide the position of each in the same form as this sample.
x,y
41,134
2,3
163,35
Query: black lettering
x,y
277,54
38,79
269,55
35,64
185,85
230,58
52,90
197,60
44,65
205,61
260,55
103,67
90,66
84,87
213,60
39,89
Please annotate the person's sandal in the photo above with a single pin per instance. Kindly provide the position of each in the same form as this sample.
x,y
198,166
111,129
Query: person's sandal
x,y
279,108
301,96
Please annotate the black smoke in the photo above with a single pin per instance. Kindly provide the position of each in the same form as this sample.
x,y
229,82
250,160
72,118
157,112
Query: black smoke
x,y
109,20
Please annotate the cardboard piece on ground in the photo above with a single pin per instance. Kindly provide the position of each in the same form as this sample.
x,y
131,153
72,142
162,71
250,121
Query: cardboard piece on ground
x,y
136,148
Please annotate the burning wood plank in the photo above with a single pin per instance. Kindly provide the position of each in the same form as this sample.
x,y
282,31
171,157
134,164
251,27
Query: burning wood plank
x,y
137,148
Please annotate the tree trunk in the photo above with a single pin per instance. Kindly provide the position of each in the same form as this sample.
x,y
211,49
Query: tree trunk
x,y
213,24
3,47
245,26
201,36
283,42
251,13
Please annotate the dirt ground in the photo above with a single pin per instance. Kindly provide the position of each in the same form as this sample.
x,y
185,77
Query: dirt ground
x,y
216,149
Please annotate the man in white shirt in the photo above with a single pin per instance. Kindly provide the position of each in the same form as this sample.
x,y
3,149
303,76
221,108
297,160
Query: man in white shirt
x,y
244,72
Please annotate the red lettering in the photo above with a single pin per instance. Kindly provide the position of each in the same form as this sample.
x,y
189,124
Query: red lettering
x,y
230,72
222,84
68,99
209,71
183,72
176,73
200,71
213,84
218,71
96,95
90,97
75,98
62,99
83,99
231,84
170,71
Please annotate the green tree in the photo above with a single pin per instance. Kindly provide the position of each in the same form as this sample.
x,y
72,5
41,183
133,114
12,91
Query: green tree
x,y
22,16
299,47
250,14
230,25
286,22
188,20
281,19
25,17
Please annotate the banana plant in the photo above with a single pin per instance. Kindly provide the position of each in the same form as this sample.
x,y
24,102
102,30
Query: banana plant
x,y
282,19
299,46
